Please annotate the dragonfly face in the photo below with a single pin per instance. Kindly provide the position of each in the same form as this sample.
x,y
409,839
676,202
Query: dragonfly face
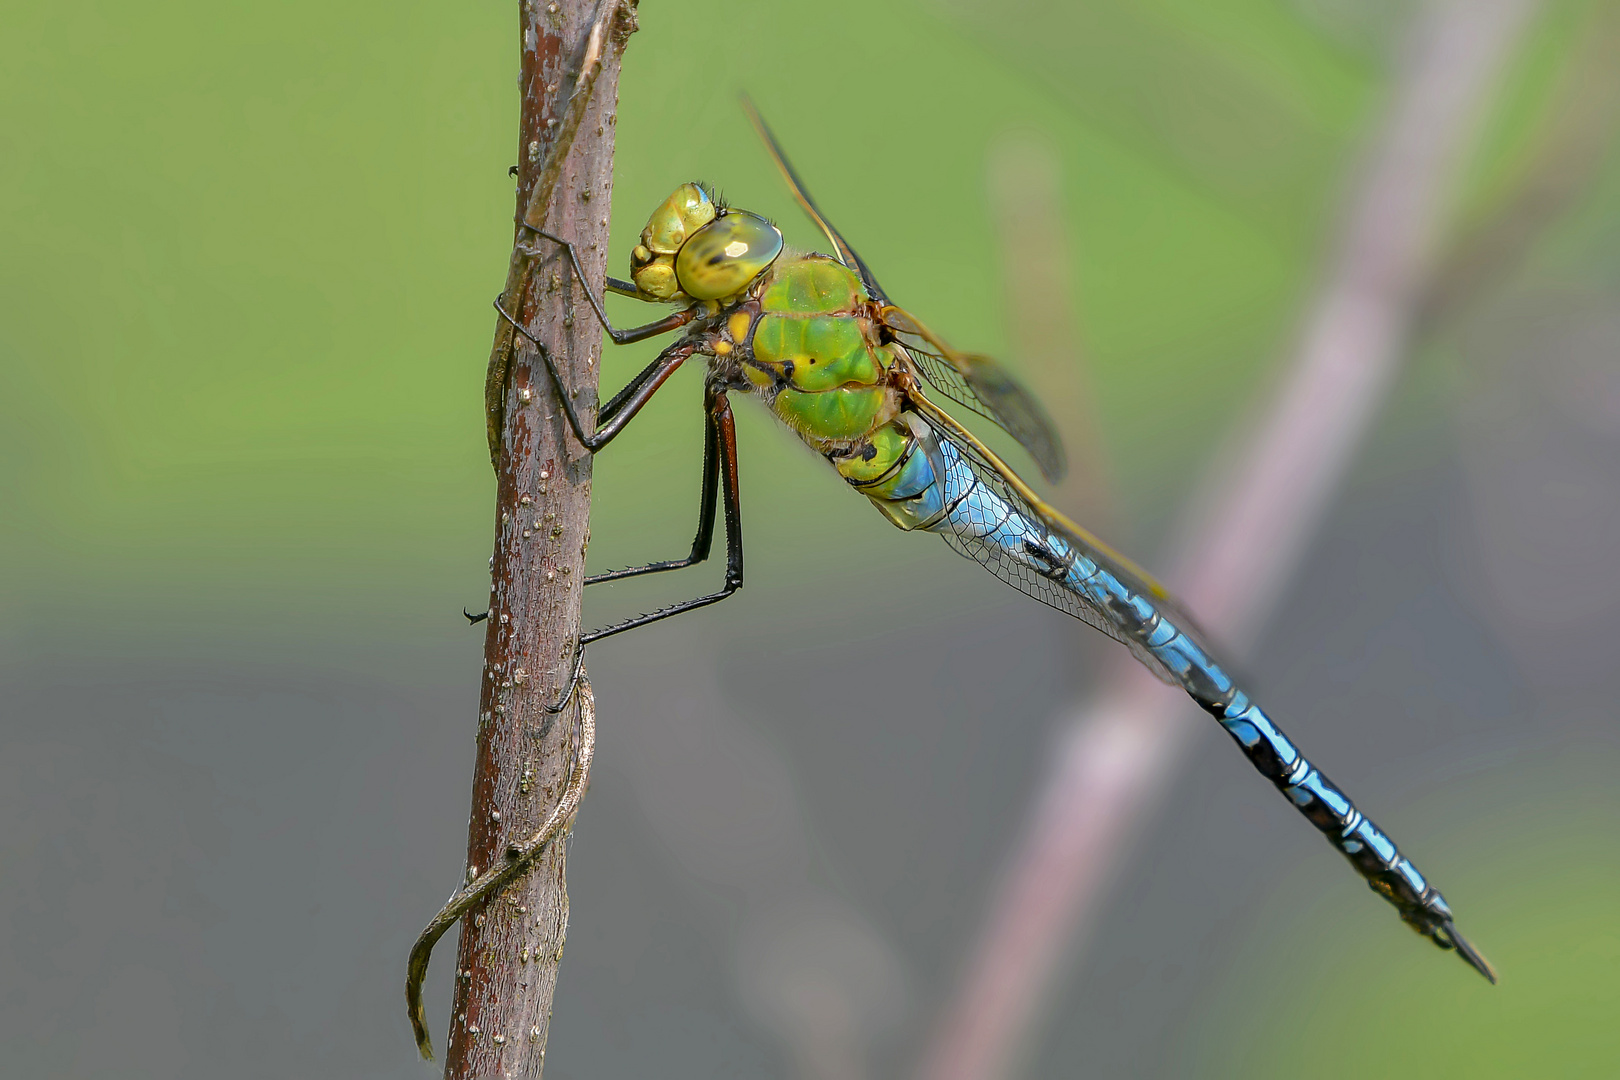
x,y
694,249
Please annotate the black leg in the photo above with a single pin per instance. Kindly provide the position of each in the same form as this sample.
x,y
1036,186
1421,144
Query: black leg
x,y
705,529
725,436
706,506
500,360
625,404
616,402
623,288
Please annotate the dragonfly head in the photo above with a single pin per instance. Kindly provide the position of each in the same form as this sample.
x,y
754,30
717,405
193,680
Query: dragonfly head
x,y
695,248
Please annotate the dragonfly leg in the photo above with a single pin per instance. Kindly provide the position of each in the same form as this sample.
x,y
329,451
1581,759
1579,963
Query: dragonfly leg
x,y
613,418
623,288
725,437
705,528
625,404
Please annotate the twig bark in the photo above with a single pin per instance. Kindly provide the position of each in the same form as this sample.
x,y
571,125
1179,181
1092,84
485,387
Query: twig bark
x,y
518,858
531,770
1243,540
545,133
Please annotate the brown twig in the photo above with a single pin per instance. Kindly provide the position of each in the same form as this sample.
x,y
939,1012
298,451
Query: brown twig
x,y
613,21
1243,539
530,772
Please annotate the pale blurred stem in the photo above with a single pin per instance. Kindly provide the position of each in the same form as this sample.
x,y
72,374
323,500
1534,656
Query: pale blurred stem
x,y
1036,254
1567,159
1242,536
531,765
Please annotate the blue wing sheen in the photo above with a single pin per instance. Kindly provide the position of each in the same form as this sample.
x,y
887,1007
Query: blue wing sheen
x,y
963,497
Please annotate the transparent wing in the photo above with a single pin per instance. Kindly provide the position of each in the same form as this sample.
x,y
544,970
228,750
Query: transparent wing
x,y
975,382
1040,568
999,523
983,386
801,195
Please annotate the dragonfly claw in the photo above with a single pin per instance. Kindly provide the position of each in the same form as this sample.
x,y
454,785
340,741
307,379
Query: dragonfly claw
x,y
573,682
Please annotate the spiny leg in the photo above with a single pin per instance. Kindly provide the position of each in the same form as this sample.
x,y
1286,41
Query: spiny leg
x,y
629,390
705,528
623,288
499,363
625,404
718,409
616,414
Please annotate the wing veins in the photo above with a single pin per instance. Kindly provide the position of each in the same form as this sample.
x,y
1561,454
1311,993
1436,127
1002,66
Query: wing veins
x,y
998,397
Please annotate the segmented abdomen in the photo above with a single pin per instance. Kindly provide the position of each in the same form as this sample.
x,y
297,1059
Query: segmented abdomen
x,y
813,354
921,481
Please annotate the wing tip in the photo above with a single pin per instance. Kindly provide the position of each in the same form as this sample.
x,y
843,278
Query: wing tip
x,y
1054,464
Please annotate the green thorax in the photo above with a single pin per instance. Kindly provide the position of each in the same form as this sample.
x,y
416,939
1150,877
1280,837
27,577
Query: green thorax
x,y
814,351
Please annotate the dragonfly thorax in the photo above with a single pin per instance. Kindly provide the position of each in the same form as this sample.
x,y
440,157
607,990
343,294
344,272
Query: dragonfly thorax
x,y
814,355
696,249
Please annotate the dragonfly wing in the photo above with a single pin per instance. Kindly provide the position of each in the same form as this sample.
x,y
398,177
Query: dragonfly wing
x,y
978,383
1035,565
846,254
972,381
998,522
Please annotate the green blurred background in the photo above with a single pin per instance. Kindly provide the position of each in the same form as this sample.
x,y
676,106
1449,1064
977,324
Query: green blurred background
x,y
248,258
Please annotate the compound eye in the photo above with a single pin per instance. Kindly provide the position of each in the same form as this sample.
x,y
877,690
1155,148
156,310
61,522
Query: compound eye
x,y
720,259
677,218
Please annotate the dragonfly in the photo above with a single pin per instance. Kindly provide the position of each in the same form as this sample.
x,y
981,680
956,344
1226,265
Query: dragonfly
x,y
854,375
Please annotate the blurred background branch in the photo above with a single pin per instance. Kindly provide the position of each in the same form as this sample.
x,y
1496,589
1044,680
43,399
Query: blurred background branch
x,y
1038,252
1562,165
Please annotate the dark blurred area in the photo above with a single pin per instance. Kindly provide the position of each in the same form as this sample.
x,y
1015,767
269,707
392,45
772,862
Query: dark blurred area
x,y
247,498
